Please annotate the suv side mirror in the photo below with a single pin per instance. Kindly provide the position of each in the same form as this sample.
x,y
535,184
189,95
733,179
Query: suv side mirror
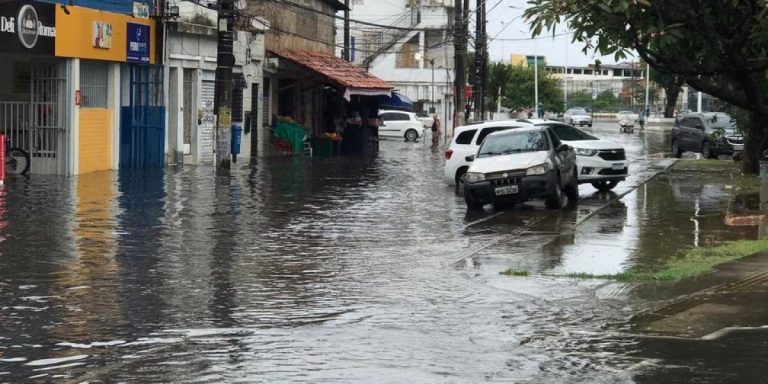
x,y
699,127
470,159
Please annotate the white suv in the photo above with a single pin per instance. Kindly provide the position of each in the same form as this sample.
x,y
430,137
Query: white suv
x,y
577,116
600,162
401,124
466,141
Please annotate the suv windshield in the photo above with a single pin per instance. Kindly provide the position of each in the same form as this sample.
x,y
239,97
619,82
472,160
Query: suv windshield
x,y
530,141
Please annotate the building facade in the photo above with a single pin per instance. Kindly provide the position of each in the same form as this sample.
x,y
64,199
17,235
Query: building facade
x,y
81,91
190,65
415,55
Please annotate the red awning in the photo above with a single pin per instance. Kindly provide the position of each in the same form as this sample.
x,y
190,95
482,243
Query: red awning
x,y
339,71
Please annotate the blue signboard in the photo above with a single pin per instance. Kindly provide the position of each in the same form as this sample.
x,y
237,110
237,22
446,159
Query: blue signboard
x,y
138,43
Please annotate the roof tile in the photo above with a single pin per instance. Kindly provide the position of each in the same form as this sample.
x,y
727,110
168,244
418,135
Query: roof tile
x,y
336,69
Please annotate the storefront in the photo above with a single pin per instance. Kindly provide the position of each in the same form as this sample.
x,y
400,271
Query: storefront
x,y
333,101
34,85
76,87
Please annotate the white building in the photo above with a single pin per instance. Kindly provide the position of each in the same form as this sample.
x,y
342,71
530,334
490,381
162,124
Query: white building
x,y
190,57
415,56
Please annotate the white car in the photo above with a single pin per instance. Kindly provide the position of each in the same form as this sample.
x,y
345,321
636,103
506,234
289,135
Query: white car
x,y
466,141
577,116
426,119
401,124
600,162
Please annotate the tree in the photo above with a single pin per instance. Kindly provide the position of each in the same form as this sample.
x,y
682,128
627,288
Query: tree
x,y
517,87
717,47
605,102
581,98
672,85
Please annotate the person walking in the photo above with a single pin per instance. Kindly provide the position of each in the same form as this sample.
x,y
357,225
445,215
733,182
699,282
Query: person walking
x,y
436,131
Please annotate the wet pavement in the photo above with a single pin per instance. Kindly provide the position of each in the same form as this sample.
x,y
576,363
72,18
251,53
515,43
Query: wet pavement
x,y
348,270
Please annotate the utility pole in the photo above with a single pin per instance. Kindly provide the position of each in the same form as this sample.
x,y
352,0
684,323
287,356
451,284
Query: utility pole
x,y
346,30
465,55
484,69
478,86
223,95
459,48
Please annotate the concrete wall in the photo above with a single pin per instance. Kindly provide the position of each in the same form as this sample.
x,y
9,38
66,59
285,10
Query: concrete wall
x,y
296,28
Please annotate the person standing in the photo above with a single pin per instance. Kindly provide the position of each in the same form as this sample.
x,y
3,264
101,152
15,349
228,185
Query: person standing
x,y
436,131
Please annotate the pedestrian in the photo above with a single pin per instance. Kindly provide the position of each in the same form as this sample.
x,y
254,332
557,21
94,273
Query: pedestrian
x,y
529,111
641,120
436,131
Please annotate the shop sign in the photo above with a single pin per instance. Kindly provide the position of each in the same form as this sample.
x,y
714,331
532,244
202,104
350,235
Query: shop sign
x,y
102,35
138,43
27,26
141,10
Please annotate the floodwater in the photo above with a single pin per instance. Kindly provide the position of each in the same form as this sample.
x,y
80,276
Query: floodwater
x,y
343,270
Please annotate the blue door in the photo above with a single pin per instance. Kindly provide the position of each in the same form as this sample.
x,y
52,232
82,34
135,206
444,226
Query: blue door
x,y
142,125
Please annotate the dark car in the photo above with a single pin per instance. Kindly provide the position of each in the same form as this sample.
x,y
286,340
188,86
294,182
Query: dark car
x,y
712,134
517,165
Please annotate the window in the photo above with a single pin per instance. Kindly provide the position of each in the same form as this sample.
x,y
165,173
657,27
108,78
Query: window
x,y
93,84
406,55
568,133
466,136
530,141
393,116
487,131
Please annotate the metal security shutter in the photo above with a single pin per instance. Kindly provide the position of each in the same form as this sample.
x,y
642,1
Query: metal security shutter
x,y
206,126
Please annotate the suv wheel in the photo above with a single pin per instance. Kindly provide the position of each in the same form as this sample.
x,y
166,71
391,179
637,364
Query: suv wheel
x,y
472,203
572,189
706,150
555,200
605,186
460,182
676,152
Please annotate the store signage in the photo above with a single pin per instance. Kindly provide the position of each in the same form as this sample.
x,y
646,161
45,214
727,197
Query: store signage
x,y
138,43
102,35
27,26
140,10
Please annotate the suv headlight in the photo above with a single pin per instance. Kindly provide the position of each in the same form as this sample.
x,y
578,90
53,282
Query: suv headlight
x,y
538,169
586,152
474,177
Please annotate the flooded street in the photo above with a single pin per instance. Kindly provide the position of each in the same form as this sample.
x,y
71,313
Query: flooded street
x,y
344,270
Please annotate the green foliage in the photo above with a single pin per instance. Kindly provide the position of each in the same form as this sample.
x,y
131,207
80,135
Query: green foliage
x,y
516,272
605,102
517,87
718,47
580,99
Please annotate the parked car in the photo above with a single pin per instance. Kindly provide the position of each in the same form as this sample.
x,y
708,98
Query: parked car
x,y
518,165
600,162
400,124
426,119
466,141
711,134
577,116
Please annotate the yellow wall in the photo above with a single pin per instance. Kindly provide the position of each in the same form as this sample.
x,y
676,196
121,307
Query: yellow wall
x,y
95,151
74,34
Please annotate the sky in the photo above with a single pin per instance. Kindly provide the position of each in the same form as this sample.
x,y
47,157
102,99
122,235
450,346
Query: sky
x,y
512,35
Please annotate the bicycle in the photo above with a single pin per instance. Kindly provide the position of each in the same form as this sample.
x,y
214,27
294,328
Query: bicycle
x,y
16,159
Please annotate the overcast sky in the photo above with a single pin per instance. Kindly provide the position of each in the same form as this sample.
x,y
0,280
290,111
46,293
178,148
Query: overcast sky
x,y
512,35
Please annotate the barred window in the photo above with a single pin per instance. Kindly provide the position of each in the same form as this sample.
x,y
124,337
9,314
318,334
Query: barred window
x,y
93,83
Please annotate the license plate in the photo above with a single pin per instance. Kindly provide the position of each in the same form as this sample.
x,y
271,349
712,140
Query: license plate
x,y
617,166
738,147
506,190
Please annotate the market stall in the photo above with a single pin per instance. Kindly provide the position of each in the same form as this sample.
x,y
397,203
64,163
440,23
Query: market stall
x,y
333,101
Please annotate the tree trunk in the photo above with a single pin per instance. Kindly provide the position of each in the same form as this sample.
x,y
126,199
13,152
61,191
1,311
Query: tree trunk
x,y
756,142
672,93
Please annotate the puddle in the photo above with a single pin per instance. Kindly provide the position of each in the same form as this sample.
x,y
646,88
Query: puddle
x,y
648,227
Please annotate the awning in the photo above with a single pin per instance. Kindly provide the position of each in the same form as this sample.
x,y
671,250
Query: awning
x,y
396,101
347,75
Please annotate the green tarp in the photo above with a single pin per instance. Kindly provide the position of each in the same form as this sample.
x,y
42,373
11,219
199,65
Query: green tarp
x,y
292,133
